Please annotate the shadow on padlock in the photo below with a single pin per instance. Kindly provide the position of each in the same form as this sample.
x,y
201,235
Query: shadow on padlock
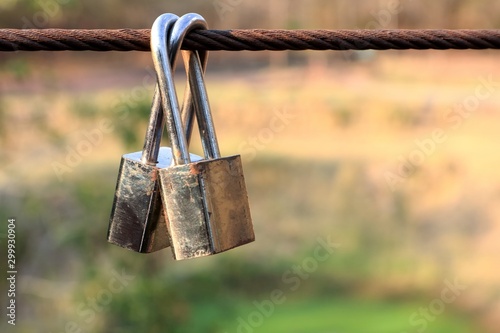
x,y
137,219
205,201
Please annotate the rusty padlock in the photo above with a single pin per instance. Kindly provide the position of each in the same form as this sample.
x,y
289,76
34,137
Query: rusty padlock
x,y
137,220
205,202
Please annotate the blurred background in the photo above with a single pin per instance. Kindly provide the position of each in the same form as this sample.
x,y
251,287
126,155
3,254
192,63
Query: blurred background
x,y
390,157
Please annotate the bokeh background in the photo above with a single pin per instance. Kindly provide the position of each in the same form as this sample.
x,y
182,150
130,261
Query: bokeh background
x,y
392,156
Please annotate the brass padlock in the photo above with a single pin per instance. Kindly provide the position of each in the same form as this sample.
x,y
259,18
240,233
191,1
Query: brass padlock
x,y
206,201
137,220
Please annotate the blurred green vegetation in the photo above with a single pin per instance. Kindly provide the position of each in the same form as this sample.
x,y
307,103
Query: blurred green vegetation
x,y
133,116
354,315
61,235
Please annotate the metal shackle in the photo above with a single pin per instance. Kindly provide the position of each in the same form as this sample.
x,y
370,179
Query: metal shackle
x,y
183,26
156,124
160,50
154,132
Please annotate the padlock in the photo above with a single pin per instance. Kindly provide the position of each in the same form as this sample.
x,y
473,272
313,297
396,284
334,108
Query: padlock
x,y
205,202
137,220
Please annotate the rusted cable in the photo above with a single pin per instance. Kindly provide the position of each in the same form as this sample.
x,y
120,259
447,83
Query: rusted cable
x,y
252,40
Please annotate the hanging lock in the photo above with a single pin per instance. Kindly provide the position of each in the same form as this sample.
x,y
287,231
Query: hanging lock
x,y
137,219
205,202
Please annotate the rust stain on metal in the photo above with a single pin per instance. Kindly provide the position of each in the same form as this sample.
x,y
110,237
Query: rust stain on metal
x,y
154,176
193,169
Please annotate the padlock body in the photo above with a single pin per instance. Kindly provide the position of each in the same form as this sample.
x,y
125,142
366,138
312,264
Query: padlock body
x,y
207,207
137,219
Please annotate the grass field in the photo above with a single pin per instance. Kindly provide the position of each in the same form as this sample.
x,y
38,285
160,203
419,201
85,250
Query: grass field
x,y
356,316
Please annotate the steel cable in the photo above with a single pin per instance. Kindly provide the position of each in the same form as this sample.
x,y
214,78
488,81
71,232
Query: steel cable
x,y
251,40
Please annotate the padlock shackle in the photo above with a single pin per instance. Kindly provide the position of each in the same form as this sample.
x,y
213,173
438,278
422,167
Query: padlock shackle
x,y
168,93
195,64
181,28
203,112
156,124
154,132
184,25
160,50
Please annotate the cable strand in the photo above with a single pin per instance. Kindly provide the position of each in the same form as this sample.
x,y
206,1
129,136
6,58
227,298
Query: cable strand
x,y
249,40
